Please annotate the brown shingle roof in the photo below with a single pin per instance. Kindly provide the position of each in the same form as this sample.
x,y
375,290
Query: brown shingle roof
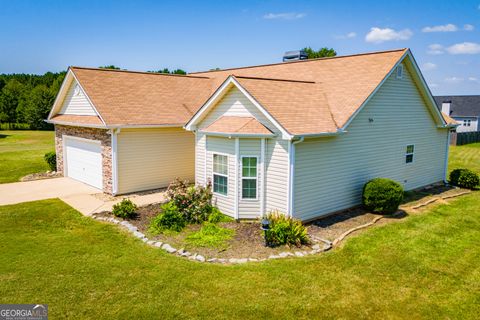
x,y
237,125
318,95
344,81
140,98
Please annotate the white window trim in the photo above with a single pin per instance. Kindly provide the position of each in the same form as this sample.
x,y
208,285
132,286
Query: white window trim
x,y
410,153
219,174
251,178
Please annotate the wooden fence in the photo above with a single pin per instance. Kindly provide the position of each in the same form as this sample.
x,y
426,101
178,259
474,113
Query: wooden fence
x,y
461,138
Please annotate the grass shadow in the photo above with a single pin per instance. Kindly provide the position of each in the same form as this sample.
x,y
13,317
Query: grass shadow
x,y
4,135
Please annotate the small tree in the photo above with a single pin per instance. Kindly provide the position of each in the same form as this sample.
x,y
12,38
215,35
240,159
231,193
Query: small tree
x,y
320,53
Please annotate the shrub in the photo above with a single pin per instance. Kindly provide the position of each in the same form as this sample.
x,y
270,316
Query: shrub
x,y
210,235
217,216
51,159
464,178
382,195
285,230
169,219
194,202
124,209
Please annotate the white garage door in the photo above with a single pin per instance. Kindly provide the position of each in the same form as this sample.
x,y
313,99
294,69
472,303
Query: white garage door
x,y
83,160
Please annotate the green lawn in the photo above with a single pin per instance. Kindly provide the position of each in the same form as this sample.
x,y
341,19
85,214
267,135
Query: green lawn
x,y
21,153
426,266
466,156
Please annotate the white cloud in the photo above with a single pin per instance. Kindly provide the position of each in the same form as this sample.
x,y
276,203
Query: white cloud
x,y
435,49
464,48
429,66
453,79
433,85
474,79
284,16
468,27
443,28
378,35
349,35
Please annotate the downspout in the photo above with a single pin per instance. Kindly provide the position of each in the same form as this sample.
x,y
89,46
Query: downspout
x,y
445,179
292,175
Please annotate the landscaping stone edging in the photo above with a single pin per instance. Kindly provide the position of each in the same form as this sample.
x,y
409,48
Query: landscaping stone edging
x,y
376,219
316,248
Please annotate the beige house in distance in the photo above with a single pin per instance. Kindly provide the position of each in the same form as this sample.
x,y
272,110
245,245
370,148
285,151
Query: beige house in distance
x,y
300,137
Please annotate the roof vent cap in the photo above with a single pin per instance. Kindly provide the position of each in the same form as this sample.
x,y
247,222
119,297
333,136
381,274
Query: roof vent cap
x,y
295,55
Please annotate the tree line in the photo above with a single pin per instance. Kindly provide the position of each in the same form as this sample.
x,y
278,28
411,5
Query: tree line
x,y
26,99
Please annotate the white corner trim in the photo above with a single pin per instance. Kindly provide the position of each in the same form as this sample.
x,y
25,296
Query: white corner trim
x,y
263,177
205,153
88,98
445,179
291,175
114,142
237,182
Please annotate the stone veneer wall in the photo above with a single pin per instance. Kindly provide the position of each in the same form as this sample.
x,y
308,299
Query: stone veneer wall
x,y
87,133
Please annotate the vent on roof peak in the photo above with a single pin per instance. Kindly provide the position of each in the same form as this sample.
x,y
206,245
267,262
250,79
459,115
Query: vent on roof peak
x,y
295,55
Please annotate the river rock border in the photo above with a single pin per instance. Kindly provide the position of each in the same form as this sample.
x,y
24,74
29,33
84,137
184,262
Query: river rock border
x,y
320,245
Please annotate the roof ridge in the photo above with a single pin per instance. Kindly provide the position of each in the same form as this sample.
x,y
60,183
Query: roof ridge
x,y
139,72
272,79
306,60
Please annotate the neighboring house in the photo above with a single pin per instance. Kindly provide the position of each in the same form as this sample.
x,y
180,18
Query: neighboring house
x,y
299,137
464,109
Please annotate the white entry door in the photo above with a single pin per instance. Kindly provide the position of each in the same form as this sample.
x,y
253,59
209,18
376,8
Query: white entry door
x,y
83,159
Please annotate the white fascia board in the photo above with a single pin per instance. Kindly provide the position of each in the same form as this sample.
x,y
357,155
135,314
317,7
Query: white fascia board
x,y
88,98
237,135
430,101
222,90
354,115
285,134
424,86
61,94
191,124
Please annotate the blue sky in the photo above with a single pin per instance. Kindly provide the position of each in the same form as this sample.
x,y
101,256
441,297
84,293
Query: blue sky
x,y
39,36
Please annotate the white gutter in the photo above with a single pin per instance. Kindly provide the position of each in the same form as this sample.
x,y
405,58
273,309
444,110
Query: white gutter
x,y
292,175
320,134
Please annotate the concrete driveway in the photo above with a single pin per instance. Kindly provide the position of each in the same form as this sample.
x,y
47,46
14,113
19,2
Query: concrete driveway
x,y
78,195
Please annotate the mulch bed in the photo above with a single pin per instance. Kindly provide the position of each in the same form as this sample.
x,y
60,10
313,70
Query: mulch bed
x,y
248,241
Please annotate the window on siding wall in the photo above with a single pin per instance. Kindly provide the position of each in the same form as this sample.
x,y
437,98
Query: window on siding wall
x,y
249,177
220,174
409,153
467,123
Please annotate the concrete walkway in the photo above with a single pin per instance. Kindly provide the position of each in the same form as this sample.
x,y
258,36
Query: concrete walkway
x,y
82,197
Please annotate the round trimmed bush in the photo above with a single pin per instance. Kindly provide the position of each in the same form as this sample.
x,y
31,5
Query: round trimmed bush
x,y
382,195
464,178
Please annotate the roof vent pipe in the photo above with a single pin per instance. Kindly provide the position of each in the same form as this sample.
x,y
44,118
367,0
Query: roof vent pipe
x,y
295,55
